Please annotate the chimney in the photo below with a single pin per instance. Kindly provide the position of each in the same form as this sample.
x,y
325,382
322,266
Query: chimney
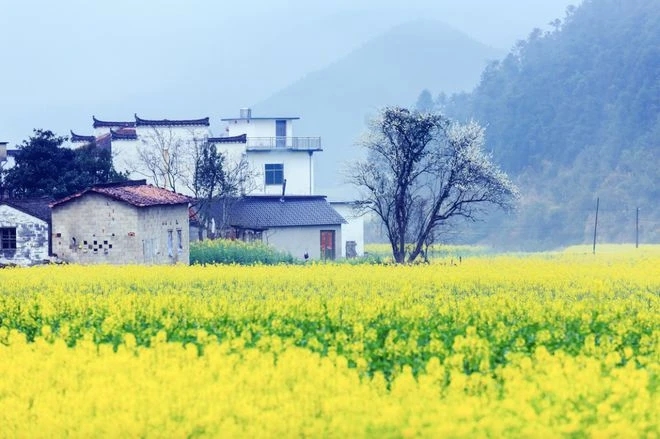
x,y
3,151
283,190
246,113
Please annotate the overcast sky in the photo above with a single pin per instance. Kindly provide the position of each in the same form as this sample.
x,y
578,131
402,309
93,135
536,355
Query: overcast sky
x,y
64,61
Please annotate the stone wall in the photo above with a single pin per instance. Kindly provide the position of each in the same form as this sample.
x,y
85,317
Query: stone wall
x,y
31,237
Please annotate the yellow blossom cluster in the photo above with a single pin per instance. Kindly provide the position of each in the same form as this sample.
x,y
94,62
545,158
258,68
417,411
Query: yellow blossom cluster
x,y
535,346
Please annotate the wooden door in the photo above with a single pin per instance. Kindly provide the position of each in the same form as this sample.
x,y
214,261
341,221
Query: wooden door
x,y
327,244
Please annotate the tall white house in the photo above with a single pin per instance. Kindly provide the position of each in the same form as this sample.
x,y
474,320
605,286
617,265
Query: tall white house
x,y
281,161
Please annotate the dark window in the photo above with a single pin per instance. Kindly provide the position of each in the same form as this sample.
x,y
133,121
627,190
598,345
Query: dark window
x,y
274,173
8,238
170,243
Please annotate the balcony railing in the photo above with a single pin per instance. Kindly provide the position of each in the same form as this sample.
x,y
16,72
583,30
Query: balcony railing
x,y
281,142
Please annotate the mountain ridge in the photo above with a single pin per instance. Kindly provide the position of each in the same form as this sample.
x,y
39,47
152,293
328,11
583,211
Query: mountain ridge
x,y
388,69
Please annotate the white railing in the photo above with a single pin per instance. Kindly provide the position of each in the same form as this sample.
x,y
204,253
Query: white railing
x,y
299,143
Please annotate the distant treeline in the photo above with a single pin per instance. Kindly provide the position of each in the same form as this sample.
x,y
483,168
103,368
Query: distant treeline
x,y
573,113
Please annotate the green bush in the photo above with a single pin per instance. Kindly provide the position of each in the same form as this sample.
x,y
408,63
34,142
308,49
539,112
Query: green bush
x,y
224,251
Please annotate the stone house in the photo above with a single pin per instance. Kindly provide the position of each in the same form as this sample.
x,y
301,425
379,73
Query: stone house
x,y
24,231
122,223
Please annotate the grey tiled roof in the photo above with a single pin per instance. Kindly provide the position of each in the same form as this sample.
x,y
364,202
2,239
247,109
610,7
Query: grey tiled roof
x,y
114,124
264,212
233,139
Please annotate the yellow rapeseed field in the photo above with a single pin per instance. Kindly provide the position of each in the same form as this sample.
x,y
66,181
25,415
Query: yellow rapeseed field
x,y
550,345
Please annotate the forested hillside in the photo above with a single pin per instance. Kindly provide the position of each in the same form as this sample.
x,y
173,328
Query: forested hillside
x,y
574,115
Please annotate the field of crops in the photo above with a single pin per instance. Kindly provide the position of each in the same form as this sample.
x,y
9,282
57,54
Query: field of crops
x,y
536,346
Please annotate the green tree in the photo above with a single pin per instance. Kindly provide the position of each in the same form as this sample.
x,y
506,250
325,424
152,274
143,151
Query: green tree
x,y
44,168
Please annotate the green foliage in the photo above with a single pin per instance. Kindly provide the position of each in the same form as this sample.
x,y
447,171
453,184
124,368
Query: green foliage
x,y
574,113
46,169
224,251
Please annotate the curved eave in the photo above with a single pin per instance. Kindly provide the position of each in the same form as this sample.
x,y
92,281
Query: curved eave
x,y
233,139
111,124
171,123
76,138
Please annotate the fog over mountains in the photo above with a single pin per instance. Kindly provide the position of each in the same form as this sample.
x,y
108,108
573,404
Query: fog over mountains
x,y
389,69
66,61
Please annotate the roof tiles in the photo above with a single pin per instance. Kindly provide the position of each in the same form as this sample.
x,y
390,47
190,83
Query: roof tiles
x,y
264,212
136,193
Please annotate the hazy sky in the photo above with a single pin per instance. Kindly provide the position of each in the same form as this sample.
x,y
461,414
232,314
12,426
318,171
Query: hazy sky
x,y
64,61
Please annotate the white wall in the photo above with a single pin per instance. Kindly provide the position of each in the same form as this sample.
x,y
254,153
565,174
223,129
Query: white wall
x,y
354,230
256,127
298,240
125,158
126,153
296,171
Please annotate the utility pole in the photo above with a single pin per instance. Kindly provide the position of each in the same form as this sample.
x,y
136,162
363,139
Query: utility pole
x,y
637,229
596,223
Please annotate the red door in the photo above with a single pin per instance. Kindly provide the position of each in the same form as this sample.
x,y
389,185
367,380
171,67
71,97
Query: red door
x,y
327,244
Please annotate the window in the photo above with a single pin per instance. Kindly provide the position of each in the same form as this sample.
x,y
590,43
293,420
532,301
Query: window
x,y
170,243
274,173
179,240
8,238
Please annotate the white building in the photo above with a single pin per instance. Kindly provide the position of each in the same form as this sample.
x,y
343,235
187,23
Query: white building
x,y
159,151
273,151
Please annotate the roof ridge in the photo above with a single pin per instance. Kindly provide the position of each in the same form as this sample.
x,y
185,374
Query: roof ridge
x,y
121,183
170,122
104,123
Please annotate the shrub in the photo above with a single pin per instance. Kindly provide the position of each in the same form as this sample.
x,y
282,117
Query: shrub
x,y
224,251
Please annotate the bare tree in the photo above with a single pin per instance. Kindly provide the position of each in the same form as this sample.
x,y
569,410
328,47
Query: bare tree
x,y
162,156
421,171
218,178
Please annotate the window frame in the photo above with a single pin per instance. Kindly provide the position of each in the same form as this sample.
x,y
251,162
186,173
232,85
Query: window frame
x,y
8,238
270,175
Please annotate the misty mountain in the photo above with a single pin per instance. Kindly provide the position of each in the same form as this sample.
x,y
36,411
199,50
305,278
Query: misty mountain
x,y
574,115
389,69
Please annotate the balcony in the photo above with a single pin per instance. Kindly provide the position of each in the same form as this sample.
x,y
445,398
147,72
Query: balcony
x,y
281,142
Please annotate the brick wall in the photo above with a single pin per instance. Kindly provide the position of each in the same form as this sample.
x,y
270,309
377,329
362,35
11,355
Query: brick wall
x,y
95,229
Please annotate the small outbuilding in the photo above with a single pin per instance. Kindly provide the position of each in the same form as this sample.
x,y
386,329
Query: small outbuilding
x,y
122,223
306,226
24,231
